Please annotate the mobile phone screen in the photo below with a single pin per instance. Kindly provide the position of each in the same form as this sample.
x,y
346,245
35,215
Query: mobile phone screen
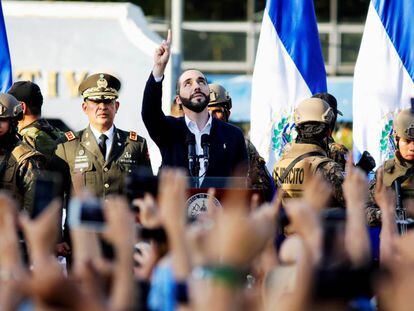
x,y
47,187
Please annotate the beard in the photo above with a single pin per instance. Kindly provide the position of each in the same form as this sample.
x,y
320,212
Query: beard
x,y
195,105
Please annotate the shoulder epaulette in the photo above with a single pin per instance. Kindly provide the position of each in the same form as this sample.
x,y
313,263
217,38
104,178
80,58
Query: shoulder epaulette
x,y
133,136
389,165
70,135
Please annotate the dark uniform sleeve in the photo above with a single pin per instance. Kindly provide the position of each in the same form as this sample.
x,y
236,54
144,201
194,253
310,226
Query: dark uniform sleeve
x,y
27,173
334,174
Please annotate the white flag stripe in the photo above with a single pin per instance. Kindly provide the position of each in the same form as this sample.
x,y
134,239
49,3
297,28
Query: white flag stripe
x,y
382,85
277,88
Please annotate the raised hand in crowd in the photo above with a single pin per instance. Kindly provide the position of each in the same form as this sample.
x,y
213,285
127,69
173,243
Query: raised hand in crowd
x,y
161,56
355,189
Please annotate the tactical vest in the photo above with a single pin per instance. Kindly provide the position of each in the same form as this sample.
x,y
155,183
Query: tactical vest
x,y
9,168
294,182
395,168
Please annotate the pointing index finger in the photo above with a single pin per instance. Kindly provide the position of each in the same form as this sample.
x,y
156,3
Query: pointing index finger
x,y
169,37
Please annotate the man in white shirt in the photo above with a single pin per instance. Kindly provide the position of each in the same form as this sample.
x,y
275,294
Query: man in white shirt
x,y
224,144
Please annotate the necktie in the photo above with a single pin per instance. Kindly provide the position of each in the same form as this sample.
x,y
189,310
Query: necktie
x,y
102,144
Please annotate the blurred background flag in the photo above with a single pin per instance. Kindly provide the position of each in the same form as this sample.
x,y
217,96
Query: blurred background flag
x,y
289,67
5,63
384,75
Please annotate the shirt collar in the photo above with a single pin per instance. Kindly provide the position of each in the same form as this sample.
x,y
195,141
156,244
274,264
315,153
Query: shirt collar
x,y
191,124
109,133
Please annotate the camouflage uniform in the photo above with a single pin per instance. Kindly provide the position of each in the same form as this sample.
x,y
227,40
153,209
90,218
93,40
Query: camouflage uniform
x,y
43,137
19,163
337,152
393,169
258,173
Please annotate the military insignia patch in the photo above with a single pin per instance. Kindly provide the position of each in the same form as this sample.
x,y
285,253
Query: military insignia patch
x,y
102,83
70,135
133,136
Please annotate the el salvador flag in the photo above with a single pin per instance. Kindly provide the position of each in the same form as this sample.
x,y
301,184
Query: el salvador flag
x,y
289,68
5,63
384,75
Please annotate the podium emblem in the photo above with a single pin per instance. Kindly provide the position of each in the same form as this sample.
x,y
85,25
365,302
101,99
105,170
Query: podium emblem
x,y
197,204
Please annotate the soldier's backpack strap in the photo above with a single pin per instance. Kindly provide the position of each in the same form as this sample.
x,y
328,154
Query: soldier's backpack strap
x,y
319,161
295,161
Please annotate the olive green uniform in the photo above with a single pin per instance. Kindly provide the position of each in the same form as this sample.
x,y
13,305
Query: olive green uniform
x,y
19,166
43,137
258,173
293,184
393,169
88,169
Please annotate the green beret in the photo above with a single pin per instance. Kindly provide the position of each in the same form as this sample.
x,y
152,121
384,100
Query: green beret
x,y
100,86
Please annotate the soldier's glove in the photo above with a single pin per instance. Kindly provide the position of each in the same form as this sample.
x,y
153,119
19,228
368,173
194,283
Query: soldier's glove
x,y
366,163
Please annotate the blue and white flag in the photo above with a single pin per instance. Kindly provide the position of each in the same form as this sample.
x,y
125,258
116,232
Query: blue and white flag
x,y
5,63
289,68
384,75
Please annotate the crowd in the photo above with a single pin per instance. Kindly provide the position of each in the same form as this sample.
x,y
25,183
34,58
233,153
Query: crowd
x,y
298,239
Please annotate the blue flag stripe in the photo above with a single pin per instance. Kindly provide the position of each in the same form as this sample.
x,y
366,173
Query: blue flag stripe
x,y
295,23
397,16
5,63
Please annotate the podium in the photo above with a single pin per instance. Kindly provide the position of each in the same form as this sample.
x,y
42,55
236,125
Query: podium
x,y
198,195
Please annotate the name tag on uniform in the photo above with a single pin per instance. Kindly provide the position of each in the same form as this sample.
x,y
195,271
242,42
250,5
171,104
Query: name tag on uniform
x,y
81,165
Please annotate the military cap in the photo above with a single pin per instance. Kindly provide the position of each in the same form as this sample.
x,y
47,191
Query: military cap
x,y
10,107
219,96
313,110
27,92
100,86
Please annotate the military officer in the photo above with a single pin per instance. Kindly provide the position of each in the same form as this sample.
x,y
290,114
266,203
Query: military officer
x,y
399,169
100,156
220,107
35,130
19,163
307,154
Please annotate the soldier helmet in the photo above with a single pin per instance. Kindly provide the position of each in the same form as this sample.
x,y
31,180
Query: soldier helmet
x,y
404,124
219,96
10,107
313,110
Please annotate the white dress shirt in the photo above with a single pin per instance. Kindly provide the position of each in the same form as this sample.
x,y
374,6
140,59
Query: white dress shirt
x,y
193,128
109,133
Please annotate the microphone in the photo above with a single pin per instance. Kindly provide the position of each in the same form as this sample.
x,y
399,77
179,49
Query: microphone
x,y
191,145
205,144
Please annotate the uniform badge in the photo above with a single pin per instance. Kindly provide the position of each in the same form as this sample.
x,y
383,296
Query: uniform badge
x,y
102,83
127,155
133,136
81,152
197,204
70,136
